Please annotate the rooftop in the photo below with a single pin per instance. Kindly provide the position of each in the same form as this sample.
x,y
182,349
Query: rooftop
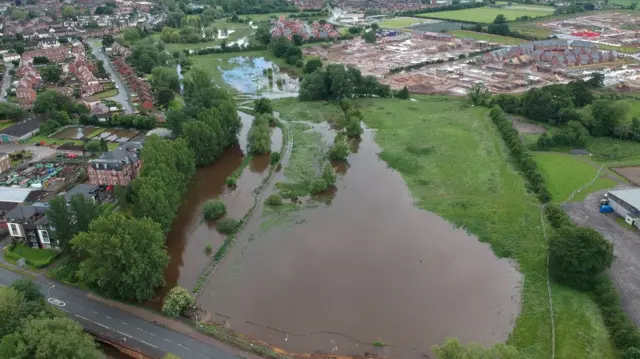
x,y
21,128
82,188
14,195
631,196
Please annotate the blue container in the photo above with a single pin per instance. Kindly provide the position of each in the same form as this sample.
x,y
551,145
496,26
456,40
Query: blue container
x,y
606,209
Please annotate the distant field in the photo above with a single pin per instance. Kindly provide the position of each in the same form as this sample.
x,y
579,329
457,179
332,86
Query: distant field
x,y
486,15
555,168
487,37
400,22
623,49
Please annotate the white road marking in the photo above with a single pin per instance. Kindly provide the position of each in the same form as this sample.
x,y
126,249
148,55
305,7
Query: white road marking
x,y
201,355
108,317
167,340
56,302
140,329
81,317
94,312
125,323
102,325
180,345
149,344
153,335
64,310
125,334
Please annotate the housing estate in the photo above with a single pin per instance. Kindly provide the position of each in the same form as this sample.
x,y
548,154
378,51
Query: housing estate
x,y
289,27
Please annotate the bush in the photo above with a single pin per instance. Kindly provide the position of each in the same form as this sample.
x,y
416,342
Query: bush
x,y
578,255
208,249
274,200
177,301
275,158
318,185
631,353
339,150
329,174
230,181
228,226
263,105
557,216
214,209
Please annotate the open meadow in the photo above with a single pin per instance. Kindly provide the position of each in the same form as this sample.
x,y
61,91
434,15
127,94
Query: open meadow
x,y
485,15
399,22
505,40
456,165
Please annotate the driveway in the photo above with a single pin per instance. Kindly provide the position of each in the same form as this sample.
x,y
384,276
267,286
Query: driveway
x,y
625,271
123,95
39,152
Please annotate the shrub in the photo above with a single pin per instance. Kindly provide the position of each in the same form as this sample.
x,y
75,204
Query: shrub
x,y
208,249
557,216
263,105
274,200
230,181
339,150
329,174
177,301
578,255
318,185
275,158
214,209
228,225
631,353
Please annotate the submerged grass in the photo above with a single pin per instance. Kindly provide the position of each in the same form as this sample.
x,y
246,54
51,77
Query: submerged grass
x,y
467,179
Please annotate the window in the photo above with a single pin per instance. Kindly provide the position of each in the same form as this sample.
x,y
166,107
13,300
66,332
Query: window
x,y
44,236
15,230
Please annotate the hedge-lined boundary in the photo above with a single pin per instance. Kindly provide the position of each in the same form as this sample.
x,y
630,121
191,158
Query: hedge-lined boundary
x,y
621,328
526,164
32,262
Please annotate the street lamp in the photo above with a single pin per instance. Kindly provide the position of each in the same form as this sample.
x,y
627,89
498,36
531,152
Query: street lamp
x,y
195,314
48,291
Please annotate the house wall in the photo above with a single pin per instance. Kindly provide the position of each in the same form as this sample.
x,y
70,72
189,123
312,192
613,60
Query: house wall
x,y
622,208
16,230
28,135
5,163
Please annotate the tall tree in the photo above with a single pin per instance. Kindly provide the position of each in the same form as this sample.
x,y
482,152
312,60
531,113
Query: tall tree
x,y
259,137
46,338
165,77
124,257
369,37
29,290
61,218
202,140
51,73
84,210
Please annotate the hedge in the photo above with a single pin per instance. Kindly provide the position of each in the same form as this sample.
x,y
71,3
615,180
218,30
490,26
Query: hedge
x,y
526,164
37,263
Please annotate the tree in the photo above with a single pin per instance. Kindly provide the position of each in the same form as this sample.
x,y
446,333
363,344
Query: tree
x,y
51,73
130,35
263,33
606,116
68,11
369,37
177,301
50,101
202,140
107,41
329,174
375,27
124,257
279,46
49,339
318,185
214,209
19,48
84,211
631,353
297,39
104,147
259,137
596,80
93,147
12,310
9,111
164,96
263,105
498,29
500,19
352,123
311,66
403,94
29,290
452,349
339,150
61,218
577,255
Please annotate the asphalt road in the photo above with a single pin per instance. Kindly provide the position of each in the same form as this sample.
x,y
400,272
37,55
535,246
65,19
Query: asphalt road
x,y
6,82
112,322
123,95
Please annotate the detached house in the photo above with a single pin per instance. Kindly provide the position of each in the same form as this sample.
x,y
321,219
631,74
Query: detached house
x,y
29,224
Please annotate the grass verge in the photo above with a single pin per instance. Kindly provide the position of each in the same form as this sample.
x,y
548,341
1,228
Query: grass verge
x,y
565,173
468,180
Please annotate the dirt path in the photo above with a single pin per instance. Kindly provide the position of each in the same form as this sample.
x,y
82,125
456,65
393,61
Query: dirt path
x,y
625,271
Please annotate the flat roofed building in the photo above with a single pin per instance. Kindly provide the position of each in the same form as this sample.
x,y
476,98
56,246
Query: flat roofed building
x,y
626,203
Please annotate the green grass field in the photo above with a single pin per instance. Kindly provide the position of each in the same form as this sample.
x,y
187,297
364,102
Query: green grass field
x,y
487,37
623,49
399,22
486,15
565,173
105,94
468,180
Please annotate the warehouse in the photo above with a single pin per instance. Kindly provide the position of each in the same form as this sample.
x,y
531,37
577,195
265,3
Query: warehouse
x,y
626,203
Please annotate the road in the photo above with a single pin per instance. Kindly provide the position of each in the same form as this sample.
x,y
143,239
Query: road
x,y
115,323
123,95
6,82
39,152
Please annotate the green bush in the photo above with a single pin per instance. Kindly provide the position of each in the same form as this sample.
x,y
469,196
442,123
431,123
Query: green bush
x,y
262,105
228,226
339,150
275,158
557,216
177,301
318,185
208,249
230,181
274,200
631,353
214,209
329,174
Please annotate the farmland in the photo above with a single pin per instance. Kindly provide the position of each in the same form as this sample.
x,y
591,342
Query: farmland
x,y
484,195
486,15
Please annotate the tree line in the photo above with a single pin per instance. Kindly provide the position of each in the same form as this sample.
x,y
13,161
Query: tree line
x,y
29,329
337,82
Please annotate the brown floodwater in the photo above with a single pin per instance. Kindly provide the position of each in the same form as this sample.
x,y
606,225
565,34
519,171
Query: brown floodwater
x,y
365,266
190,232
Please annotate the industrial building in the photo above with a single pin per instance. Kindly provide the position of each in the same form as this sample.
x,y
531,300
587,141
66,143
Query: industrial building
x,y
626,203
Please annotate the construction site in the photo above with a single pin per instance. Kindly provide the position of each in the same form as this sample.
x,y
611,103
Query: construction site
x,y
612,29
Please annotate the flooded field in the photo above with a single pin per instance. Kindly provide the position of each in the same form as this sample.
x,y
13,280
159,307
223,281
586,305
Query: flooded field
x,y
118,135
190,233
74,133
364,266
249,75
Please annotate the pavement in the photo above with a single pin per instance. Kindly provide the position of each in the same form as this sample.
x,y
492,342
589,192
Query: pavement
x,y
123,95
625,270
113,322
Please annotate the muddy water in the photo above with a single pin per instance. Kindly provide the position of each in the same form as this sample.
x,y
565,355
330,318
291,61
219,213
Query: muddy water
x,y
368,267
190,233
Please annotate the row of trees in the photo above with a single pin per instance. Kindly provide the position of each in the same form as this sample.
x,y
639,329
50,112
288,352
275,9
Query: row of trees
x,y
259,138
287,50
29,330
148,54
337,82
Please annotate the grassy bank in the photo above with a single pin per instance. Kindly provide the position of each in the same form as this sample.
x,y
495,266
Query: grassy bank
x,y
565,173
467,179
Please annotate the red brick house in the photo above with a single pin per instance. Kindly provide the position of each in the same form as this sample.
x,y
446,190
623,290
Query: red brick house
x,y
117,167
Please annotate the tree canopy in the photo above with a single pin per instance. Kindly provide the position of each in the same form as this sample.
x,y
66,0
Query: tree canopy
x,y
124,257
177,301
337,82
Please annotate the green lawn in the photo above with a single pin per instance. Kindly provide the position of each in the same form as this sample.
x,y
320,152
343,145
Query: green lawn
x,y
35,257
399,22
468,179
623,49
487,37
6,123
486,15
106,93
565,173
51,141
